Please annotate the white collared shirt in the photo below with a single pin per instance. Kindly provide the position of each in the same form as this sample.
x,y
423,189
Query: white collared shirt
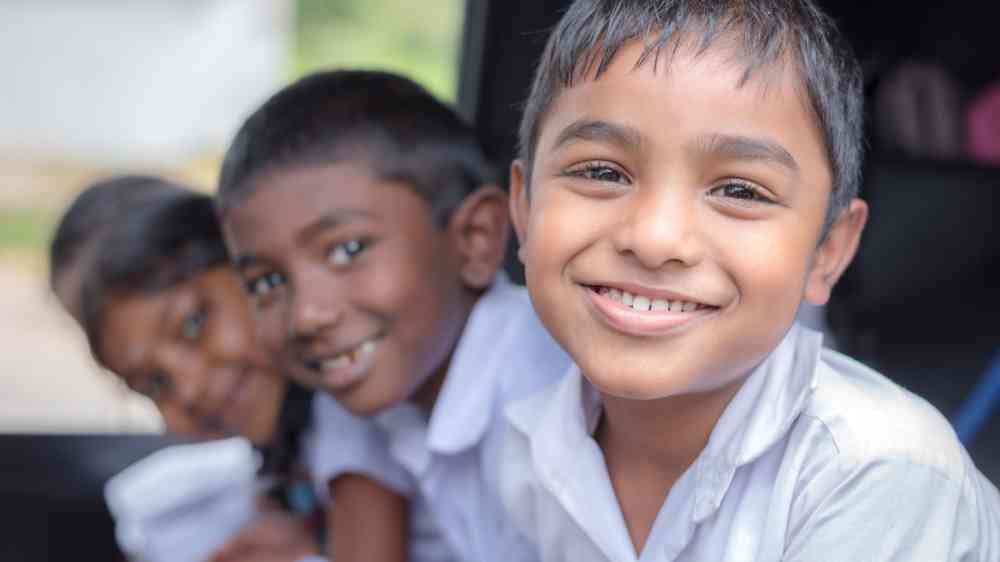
x,y
816,459
449,465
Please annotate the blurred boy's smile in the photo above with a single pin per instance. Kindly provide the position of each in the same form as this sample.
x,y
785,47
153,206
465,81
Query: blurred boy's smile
x,y
355,286
674,217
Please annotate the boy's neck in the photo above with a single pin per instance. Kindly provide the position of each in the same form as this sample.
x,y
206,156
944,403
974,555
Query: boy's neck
x,y
648,444
426,395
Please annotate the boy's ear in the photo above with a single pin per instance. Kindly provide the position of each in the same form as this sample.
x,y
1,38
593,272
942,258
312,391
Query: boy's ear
x,y
836,252
519,204
480,228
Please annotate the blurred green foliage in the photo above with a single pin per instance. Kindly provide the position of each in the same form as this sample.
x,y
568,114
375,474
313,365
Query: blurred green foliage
x,y
420,39
25,229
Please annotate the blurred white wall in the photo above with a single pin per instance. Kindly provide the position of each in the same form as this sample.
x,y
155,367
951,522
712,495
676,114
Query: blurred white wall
x,y
135,82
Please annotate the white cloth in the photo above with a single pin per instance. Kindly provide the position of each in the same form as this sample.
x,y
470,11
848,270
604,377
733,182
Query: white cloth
x,y
449,465
817,458
182,503
339,443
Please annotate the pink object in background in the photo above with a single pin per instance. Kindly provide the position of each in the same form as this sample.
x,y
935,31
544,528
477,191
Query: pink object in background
x,y
983,126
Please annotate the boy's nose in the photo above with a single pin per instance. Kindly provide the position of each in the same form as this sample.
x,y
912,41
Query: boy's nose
x,y
316,306
660,227
186,375
233,341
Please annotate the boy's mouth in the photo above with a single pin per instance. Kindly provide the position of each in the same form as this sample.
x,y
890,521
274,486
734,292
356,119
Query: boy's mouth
x,y
345,368
645,314
643,303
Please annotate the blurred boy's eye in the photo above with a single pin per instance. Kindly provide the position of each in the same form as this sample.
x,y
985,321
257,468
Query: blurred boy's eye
x,y
741,193
261,286
156,386
193,324
344,254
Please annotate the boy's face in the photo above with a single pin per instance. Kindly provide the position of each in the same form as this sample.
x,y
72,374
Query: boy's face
x,y
357,292
674,221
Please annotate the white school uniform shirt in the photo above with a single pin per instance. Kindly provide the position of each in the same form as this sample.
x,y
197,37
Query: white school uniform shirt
x,y
816,459
449,465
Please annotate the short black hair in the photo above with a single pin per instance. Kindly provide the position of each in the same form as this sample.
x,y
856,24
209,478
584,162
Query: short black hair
x,y
591,32
149,249
95,209
382,119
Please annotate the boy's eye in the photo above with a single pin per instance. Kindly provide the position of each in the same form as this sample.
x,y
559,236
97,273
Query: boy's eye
x,y
259,287
344,254
193,324
741,193
155,386
599,171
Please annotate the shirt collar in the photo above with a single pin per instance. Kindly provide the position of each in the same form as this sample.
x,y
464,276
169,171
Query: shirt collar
x,y
464,407
759,415
559,419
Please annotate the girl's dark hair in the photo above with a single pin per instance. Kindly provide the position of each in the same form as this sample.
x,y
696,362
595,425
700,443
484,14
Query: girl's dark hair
x,y
93,212
386,121
150,235
149,248
591,33
281,457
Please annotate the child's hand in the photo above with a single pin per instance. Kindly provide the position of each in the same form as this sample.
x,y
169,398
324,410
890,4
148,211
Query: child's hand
x,y
275,536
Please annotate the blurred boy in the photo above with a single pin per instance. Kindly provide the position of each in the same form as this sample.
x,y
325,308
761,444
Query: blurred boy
x,y
362,215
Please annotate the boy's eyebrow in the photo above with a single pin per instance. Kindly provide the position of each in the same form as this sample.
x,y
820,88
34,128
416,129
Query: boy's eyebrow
x,y
740,147
324,222
599,131
330,220
244,261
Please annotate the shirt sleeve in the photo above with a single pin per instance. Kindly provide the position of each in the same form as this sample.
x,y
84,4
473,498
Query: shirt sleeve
x,y
889,511
341,443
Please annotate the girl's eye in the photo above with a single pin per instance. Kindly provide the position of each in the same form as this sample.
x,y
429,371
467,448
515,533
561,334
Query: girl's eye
x,y
260,287
193,324
741,193
156,386
344,254
599,171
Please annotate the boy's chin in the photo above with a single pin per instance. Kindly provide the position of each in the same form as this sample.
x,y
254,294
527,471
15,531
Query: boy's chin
x,y
642,385
635,390
363,402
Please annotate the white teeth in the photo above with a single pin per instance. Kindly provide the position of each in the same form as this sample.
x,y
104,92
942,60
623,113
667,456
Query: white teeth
x,y
367,347
640,303
636,302
345,359
338,362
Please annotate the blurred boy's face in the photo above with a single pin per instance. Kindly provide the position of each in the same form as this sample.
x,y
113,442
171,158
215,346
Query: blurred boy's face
x,y
673,223
191,349
358,293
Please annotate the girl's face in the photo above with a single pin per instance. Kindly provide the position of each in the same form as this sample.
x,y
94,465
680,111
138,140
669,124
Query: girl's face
x,y
192,350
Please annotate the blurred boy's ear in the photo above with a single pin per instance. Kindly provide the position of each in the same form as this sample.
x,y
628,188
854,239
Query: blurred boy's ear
x,y
519,204
480,228
836,252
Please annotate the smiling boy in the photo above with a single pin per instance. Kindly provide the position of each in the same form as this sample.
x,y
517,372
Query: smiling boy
x,y
688,179
361,214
